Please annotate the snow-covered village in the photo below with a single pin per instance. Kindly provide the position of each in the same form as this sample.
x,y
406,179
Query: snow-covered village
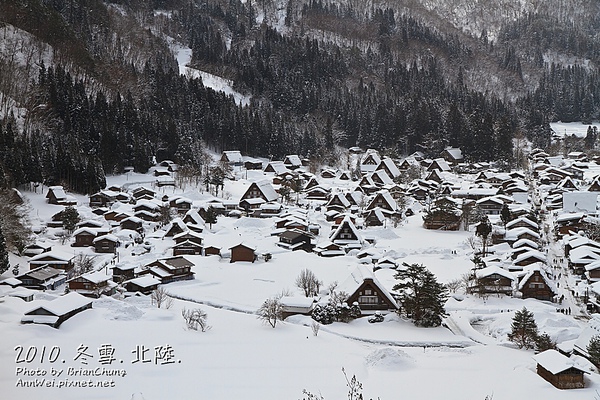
x,y
299,200
278,280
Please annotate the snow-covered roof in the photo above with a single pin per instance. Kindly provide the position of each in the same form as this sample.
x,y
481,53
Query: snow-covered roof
x,y
484,272
493,199
441,164
525,243
59,192
383,177
144,281
346,221
551,360
94,277
55,254
391,166
267,190
531,254
569,217
90,231
532,269
278,166
454,152
10,282
341,197
135,220
522,220
293,159
516,233
63,304
233,156
578,241
296,301
109,237
194,216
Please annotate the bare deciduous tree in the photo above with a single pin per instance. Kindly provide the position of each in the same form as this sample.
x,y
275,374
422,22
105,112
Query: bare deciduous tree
x,y
271,311
195,319
83,264
455,285
315,326
160,297
308,282
338,298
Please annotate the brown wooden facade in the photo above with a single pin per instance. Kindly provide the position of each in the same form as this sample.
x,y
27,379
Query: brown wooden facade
x,y
371,298
571,378
242,252
537,288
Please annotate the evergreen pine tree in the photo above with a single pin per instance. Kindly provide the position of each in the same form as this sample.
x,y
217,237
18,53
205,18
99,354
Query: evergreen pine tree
x,y
210,217
505,215
70,218
421,296
483,230
524,330
544,342
593,350
4,264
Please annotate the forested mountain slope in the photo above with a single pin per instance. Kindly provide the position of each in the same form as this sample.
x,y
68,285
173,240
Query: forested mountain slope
x,y
88,87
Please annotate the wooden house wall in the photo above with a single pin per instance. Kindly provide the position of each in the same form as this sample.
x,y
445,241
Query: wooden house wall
x,y
105,246
569,379
540,291
240,253
367,288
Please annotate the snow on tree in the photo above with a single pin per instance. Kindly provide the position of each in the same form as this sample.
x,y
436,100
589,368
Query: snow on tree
x,y
324,314
483,230
4,264
160,296
211,217
421,295
593,350
195,319
544,342
505,215
308,282
70,218
524,330
271,311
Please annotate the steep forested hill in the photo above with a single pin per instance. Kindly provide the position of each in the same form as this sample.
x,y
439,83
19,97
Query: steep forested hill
x,y
88,87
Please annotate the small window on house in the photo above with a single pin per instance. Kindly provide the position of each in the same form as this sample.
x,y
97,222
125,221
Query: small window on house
x,y
368,300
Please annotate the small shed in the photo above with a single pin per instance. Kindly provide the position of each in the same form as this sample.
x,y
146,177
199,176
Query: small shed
x,y
212,251
242,252
57,311
559,370
145,284
106,244
293,305
123,272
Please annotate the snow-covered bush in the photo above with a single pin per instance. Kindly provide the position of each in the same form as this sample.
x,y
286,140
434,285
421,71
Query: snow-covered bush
x,y
324,314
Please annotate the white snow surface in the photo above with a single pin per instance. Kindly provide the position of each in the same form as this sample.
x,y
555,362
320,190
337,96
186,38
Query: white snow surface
x,y
239,357
217,83
572,128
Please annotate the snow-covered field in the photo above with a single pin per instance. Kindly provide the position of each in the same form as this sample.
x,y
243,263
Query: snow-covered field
x,y
239,357
572,128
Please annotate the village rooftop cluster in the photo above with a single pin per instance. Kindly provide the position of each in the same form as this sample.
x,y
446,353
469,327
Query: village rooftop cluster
x,y
158,231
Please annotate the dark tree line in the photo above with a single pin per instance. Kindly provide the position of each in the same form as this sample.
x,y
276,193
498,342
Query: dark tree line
x,y
307,94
